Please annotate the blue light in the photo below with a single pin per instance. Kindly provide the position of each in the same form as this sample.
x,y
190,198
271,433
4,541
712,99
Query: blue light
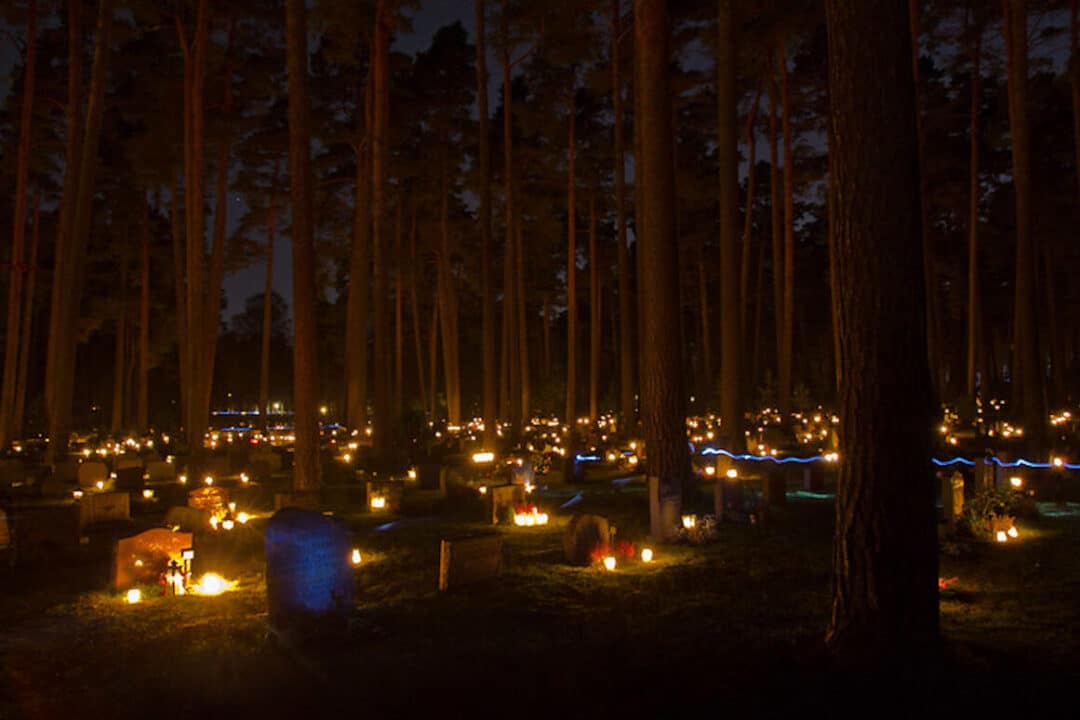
x,y
587,458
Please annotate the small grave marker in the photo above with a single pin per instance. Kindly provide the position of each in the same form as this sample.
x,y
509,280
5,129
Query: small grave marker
x,y
504,500
188,519
585,536
469,560
142,558
91,473
97,508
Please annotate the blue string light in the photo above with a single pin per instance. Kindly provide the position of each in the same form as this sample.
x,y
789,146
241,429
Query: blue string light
x,y
993,460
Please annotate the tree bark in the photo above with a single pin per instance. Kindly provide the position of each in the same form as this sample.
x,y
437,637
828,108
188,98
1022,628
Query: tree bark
x,y
356,311
775,217
626,312
885,567
522,324
489,379
120,347
1027,387
8,391
511,365
268,306
399,315
75,250
142,411
448,300
547,336
748,215
732,347
305,341
663,403
571,266
594,315
17,424
784,386
973,219
937,371
418,337
61,266
180,287
1074,80
384,422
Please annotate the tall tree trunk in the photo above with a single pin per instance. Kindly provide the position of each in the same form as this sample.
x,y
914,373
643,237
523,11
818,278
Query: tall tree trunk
x,y
18,235
448,300
399,317
384,423
1074,80
179,285
973,220
571,269
433,356
626,312
775,217
1027,387
547,336
417,336
511,364
216,270
727,152
663,403
61,267
356,312
706,330
784,386
885,596
937,369
142,411
522,324
120,348
17,424
268,306
594,315
759,306
489,378
74,248
748,215
305,341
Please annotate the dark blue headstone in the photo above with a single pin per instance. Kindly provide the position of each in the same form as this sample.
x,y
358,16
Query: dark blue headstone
x,y
308,565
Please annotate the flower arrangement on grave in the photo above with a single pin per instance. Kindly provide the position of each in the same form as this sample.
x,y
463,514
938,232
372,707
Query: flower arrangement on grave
x,y
991,514
529,516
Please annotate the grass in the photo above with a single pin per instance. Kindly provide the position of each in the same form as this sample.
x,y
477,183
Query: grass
x,y
737,622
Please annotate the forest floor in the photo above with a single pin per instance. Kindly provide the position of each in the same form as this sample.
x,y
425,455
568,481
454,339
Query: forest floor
x,y
736,623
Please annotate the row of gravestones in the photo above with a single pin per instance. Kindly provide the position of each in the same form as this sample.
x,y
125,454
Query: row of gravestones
x,y
309,571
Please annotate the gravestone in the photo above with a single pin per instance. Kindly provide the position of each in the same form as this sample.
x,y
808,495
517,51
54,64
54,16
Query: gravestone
x,y
127,462
140,559
66,472
12,471
391,493
91,473
5,531
211,499
774,483
188,519
469,560
952,496
430,476
664,513
160,471
984,475
585,536
303,499
130,478
105,507
729,497
813,478
504,500
308,566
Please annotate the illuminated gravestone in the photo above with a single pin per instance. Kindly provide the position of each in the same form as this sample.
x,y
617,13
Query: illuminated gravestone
x,y
308,567
586,537
140,559
91,473
952,496
188,519
211,499
504,500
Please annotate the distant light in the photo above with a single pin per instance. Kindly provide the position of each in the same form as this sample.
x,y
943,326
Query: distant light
x,y
732,473
1012,532
134,595
646,555
483,457
1016,481
609,562
356,556
1001,536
